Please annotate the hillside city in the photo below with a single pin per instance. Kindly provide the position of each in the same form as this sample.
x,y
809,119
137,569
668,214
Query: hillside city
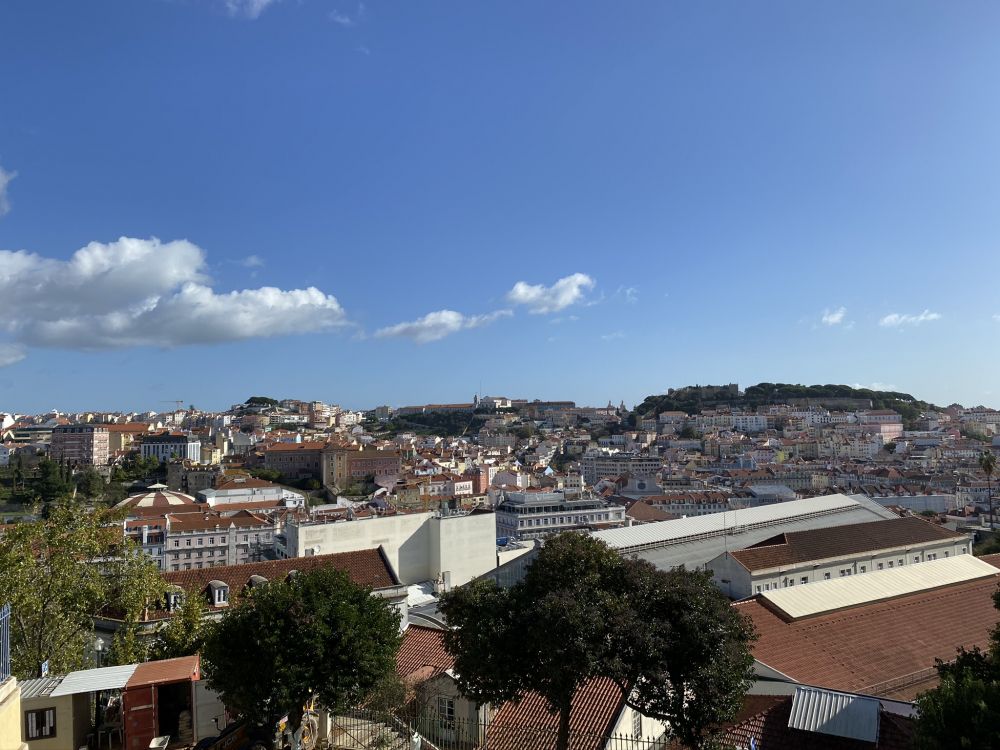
x,y
835,523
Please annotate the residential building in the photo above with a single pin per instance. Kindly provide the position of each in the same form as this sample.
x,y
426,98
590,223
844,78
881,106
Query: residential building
x,y
804,557
296,460
165,446
80,444
343,465
198,540
597,465
532,514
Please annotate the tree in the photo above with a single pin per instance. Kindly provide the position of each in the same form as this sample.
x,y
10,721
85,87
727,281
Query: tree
x,y
60,573
52,485
964,709
988,463
90,484
682,652
581,612
184,633
317,634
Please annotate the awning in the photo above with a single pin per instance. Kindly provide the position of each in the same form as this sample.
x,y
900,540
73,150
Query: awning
x,y
94,680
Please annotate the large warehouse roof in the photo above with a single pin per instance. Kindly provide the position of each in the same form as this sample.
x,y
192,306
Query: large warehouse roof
x,y
696,540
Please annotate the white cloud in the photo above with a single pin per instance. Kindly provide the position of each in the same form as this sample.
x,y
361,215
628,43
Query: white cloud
x,y
895,320
5,179
834,317
539,298
248,8
436,325
252,261
613,336
876,386
341,19
136,292
997,317
10,353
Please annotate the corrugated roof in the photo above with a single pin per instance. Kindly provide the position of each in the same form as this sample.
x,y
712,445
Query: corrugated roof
x,y
838,593
92,680
665,532
832,712
181,669
40,687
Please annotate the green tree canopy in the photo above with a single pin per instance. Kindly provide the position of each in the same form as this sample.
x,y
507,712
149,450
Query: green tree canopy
x,y
582,611
183,634
61,572
315,635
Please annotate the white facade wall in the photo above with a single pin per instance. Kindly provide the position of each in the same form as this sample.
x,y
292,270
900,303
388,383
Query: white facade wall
x,y
419,546
737,582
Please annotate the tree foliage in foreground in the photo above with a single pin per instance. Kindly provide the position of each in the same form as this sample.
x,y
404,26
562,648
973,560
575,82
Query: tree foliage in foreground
x,y
670,640
61,572
317,634
963,711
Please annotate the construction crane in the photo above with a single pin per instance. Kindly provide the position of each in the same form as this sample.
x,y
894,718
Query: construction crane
x,y
179,403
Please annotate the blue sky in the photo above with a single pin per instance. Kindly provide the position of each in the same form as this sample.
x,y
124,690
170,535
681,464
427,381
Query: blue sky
x,y
375,202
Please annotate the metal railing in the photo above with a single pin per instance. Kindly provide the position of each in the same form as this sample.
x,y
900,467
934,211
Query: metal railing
x,y
363,729
4,642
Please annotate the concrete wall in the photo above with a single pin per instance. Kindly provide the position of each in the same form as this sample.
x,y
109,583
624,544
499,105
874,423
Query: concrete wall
x,y
420,546
72,721
10,715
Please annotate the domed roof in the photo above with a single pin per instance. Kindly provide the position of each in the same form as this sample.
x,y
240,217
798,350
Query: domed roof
x,y
156,500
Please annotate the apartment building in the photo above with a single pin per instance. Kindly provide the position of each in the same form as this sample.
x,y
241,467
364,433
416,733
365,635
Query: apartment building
x,y
296,460
80,444
533,514
167,445
597,465
205,540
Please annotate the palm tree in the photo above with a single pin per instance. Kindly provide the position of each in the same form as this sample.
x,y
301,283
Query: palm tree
x,y
988,463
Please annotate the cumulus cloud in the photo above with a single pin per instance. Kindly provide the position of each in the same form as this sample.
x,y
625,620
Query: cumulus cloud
x,y
834,317
10,353
436,325
997,317
540,299
136,292
5,180
248,8
895,320
252,261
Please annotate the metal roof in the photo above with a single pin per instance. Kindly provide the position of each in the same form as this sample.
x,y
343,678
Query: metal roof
x,y
849,591
40,687
635,538
181,669
839,714
93,680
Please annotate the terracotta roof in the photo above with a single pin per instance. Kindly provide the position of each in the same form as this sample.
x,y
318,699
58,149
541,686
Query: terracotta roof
x,y
858,649
769,730
206,521
369,568
794,547
239,483
316,445
596,707
183,669
646,513
422,653
159,500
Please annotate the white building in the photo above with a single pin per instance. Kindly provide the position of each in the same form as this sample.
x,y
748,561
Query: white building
x,y
448,548
250,490
804,557
533,514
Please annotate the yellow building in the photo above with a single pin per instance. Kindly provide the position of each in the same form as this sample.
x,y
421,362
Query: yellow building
x,y
10,715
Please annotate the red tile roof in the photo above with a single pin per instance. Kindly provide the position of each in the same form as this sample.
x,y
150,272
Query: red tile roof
x,y
769,729
794,547
183,669
422,654
369,568
596,707
213,520
860,649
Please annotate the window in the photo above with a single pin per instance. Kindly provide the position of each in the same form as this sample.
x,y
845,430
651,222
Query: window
x,y
890,563
176,543
901,563
446,712
881,566
758,589
187,543
201,540
40,724
864,569
826,576
636,724
211,540
916,559
804,580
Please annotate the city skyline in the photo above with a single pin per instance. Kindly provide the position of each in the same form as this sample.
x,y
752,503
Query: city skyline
x,y
369,203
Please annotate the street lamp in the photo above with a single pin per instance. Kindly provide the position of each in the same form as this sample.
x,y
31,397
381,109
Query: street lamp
x,y
98,649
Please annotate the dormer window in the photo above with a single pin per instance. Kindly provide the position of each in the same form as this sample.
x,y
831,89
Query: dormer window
x,y
256,582
218,593
174,599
